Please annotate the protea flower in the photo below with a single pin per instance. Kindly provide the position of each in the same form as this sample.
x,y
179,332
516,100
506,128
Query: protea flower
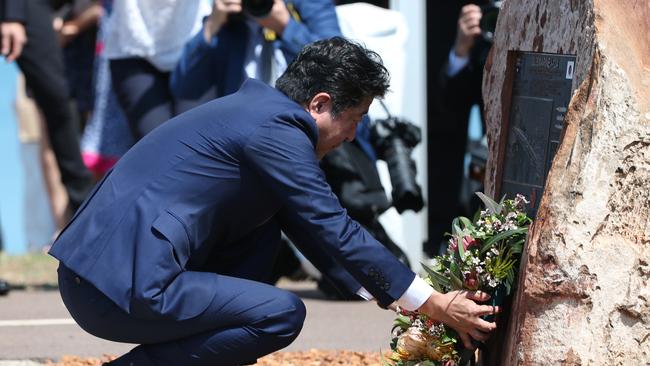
x,y
412,344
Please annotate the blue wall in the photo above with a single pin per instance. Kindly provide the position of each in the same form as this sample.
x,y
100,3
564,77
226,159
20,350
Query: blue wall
x,y
11,174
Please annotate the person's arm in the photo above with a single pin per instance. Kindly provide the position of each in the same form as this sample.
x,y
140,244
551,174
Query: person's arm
x,y
290,170
282,153
12,30
317,21
88,18
196,69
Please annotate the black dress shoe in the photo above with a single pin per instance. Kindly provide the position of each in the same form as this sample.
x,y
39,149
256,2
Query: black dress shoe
x,y
4,287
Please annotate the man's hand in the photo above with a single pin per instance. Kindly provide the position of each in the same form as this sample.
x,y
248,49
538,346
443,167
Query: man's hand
x,y
277,19
13,40
219,16
458,310
468,29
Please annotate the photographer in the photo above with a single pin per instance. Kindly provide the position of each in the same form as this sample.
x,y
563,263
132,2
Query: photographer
x,y
254,38
460,89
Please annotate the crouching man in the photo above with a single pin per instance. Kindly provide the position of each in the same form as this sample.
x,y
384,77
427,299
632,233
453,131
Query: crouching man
x,y
172,248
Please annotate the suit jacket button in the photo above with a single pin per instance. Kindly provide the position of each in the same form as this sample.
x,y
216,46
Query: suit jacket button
x,y
77,280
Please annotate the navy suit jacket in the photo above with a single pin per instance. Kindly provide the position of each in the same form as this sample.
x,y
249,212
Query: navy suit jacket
x,y
13,10
220,64
199,187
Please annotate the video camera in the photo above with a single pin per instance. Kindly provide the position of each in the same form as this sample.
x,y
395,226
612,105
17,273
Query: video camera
x,y
394,139
488,21
257,8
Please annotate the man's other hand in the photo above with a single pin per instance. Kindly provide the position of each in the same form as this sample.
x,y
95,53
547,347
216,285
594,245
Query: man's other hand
x,y
459,310
13,40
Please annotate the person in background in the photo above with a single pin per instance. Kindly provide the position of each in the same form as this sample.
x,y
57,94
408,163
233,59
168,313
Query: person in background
x,y
143,43
107,135
460,88
234,45
41,61
170,250
76,25
27,37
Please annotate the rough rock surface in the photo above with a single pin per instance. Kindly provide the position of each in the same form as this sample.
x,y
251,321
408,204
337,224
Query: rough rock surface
x,y
583,296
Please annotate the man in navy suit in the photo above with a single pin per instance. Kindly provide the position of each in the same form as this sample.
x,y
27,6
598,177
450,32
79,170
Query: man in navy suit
x,y
170,249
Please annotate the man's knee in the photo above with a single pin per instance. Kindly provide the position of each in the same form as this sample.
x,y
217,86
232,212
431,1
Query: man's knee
x,y
286,322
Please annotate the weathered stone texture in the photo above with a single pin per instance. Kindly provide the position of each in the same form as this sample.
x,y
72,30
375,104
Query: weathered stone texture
x,y
583,296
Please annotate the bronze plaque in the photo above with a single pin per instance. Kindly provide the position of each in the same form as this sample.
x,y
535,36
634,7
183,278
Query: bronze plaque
x,y
541,91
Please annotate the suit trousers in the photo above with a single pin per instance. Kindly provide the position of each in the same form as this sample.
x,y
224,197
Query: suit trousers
x,y
42,64
244,321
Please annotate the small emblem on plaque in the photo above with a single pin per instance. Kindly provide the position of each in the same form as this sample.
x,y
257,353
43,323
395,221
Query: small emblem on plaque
x,y
569,70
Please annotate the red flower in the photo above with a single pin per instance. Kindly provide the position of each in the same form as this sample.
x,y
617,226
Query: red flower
x,y
469,242
471,281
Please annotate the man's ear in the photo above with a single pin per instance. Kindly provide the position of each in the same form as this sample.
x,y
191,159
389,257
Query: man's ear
x,y
320,103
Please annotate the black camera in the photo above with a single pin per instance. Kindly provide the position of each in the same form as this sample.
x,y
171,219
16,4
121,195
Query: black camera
x,y
257,8
393,139
488,23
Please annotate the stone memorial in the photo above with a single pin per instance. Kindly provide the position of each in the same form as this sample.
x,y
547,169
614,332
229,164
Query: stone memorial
x,y
583,296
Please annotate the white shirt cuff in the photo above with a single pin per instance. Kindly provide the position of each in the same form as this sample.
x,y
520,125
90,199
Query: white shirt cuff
x,y
416,295
365,294
456,63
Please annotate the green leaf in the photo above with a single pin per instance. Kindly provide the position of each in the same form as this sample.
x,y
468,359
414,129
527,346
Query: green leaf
x,y
518,246
436,278
466,223
455,228
461,248
402,321
501,236
458,284
489,203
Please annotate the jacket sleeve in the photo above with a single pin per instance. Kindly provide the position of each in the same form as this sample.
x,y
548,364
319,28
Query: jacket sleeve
x,y
325,263
13,10
317,21
283,155
196,69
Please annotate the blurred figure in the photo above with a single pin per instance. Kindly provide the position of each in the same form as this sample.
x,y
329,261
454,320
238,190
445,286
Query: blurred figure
x,y
13,14
41,61
235,44
460,86
143,43
107,135
76,25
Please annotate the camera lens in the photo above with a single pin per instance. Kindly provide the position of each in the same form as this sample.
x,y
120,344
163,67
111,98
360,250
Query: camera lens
x,y
489,21
257,8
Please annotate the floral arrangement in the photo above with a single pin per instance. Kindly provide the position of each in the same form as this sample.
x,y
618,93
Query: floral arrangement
x,y
483,254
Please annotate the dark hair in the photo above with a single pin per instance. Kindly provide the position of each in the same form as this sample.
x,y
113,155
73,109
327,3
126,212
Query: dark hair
x,y
345,70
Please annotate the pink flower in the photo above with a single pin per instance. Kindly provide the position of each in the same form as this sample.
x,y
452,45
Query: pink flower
x,y
468,242
471,281
453,244
449,363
